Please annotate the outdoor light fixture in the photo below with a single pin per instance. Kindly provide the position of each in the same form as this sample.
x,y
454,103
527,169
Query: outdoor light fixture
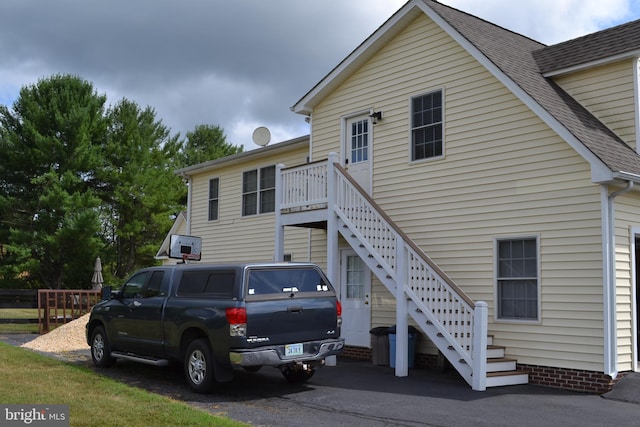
x,y
376,116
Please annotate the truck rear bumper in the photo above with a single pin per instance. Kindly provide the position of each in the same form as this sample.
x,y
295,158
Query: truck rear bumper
x,y
275,355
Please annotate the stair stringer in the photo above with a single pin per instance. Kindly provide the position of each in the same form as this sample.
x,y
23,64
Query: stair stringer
x,y
425,320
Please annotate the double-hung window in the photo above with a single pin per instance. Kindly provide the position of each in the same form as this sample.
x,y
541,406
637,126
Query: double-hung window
x,y
517,278
259,191
426,126
214,203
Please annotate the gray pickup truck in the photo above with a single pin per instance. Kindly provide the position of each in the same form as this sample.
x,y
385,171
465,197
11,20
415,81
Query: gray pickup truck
x,y
213,318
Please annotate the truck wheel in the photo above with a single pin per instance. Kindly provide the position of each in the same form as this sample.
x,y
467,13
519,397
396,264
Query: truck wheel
x,y
198,366
100,350
297,373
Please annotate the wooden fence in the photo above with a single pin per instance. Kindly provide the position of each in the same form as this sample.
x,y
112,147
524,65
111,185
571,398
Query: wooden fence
x,y
55,307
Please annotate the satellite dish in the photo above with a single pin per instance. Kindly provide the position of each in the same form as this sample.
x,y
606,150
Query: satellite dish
x,y
261,136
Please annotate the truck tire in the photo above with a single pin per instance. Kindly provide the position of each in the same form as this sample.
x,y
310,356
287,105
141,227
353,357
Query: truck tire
x,y
100,349
198,366
296,373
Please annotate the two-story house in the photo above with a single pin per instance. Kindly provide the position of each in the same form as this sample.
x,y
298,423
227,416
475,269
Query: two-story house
x,y
464,179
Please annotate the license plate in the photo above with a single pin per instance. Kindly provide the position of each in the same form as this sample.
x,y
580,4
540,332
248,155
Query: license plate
x,y
293,350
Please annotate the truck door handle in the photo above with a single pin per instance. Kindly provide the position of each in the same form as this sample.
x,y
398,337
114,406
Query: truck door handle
x,y
294,309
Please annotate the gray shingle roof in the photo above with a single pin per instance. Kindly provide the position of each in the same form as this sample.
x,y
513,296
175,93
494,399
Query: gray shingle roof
x,y
513,54
608,43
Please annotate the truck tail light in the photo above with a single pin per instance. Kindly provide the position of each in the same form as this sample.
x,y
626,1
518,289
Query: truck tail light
x,y
237,318
339,312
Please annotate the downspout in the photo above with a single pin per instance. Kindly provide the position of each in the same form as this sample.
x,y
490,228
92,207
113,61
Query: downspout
x,y
188,181
610,318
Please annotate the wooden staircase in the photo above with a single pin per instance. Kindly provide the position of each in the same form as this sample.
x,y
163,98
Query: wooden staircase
x,y
442,311
500,369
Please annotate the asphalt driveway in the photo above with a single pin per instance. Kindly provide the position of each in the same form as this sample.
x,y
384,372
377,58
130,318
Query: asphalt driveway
x,y
360,394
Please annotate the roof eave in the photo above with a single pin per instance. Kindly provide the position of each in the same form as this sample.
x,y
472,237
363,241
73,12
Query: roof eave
x,y
603,61
599,170
627,176
240,157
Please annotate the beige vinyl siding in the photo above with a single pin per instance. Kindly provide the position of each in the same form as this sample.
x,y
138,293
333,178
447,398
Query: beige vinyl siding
x,y
505,173
607,92
627,209
234,238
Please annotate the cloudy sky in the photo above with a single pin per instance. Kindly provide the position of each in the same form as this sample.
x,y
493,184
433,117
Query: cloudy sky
x,y
239,64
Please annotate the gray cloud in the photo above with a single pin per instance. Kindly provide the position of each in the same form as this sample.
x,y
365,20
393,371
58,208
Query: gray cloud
x,y
237,63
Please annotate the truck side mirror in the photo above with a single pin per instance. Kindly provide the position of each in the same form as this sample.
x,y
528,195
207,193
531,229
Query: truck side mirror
x,y
106,293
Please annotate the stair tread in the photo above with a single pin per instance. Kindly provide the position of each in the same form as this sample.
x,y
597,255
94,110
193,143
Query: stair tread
x,y
500,360
507,373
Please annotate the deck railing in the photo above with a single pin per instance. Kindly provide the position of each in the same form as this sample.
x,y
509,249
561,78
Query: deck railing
x,y
304,187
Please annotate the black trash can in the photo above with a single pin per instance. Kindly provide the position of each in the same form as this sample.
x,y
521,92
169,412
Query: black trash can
x,y
413,335
380,345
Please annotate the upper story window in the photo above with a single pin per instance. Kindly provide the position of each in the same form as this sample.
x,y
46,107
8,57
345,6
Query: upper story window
x,y
426,126
517,278
214,202
259,191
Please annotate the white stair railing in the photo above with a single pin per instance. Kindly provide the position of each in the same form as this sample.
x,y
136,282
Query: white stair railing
x,y
458,320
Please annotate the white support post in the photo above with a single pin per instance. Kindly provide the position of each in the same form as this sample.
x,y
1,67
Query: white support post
x,y
333,261
479,353
402,311
333,253
278,239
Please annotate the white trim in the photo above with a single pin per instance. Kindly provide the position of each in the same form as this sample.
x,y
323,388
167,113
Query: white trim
x,y
596,63
344,131
258,190
242,157
635,231
636,97
496,317
411,161
344,144
608,290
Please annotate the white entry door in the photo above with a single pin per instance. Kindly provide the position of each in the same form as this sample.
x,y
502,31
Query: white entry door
x,y
355,292
358,150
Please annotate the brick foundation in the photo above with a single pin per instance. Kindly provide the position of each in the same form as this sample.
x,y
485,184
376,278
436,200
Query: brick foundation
x,y
562,378
570,379
357,353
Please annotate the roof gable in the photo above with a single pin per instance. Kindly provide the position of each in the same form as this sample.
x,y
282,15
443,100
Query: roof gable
x,y
510,58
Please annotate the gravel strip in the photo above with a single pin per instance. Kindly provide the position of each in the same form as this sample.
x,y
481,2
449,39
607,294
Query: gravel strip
x,y
65,338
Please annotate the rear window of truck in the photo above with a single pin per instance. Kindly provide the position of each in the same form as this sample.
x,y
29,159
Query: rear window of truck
x,y
214,284
287,281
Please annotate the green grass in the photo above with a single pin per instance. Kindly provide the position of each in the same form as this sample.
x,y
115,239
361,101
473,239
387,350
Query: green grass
x,y
19,313
30,378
